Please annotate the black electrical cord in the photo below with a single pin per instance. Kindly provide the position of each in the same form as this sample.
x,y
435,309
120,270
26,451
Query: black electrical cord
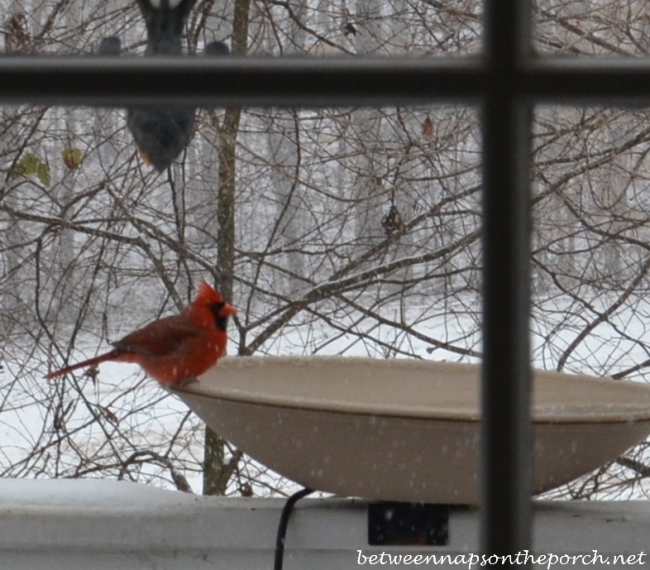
x,y
282,526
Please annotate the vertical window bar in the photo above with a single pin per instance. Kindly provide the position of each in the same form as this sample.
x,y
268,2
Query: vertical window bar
x,y
506,375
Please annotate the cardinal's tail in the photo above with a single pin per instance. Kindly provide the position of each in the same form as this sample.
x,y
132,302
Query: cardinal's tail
x,y
111,354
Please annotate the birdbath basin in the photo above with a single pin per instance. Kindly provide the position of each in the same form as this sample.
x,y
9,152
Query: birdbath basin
x,y
405,430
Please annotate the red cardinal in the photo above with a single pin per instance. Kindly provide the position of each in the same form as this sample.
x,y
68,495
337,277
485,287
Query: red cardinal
x,y
177,349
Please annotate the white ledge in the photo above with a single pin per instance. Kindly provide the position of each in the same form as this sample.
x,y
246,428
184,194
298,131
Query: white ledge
x,y
75,524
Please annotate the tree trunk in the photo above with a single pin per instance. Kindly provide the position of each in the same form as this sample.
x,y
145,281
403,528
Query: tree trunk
x,y
216,472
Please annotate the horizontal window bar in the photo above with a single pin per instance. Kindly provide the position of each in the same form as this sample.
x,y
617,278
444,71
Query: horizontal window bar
x,y
310,82
587,81
200,81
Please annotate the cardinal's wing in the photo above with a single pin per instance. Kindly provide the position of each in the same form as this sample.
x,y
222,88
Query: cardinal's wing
x,y
160,338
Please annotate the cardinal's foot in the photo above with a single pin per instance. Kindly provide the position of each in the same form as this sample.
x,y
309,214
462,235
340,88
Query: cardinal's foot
x,y
187,381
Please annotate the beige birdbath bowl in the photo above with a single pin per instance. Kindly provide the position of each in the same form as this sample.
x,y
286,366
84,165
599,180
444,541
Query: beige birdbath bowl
x,y
405,430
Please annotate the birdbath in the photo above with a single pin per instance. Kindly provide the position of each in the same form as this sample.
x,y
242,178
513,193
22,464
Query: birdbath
x,y
405,430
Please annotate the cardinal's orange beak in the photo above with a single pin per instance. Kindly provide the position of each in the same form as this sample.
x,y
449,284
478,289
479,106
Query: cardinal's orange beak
x,y
227,311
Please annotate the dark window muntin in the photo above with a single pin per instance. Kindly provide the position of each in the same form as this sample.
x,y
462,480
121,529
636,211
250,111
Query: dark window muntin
x,y
311,82
505,82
